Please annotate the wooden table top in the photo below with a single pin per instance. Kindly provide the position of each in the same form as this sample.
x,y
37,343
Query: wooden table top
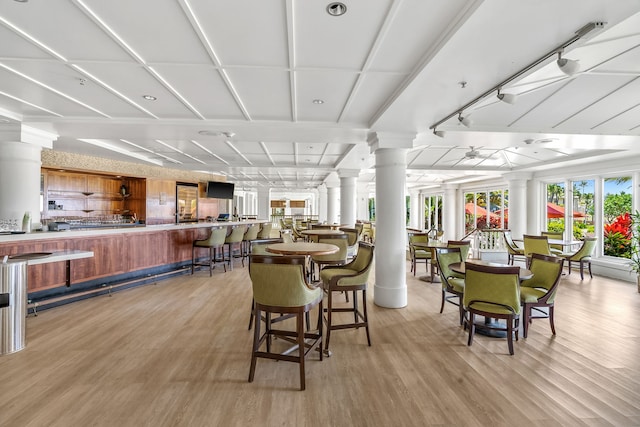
x,y
459,267
321,232
430,245
302,248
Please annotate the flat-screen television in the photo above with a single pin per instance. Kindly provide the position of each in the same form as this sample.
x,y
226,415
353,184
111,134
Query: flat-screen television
x,y
220,190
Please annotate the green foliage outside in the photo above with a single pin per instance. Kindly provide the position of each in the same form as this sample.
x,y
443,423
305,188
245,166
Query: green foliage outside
x,y
580,229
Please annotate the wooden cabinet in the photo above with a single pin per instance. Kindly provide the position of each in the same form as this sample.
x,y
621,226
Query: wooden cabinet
x,y
75,194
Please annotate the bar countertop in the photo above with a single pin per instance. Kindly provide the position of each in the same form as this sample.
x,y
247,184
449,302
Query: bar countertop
x,y
38,235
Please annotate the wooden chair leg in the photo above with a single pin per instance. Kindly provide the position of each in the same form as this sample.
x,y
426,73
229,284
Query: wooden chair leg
x,y
553,326
301,348
329,308
253,306
526,313
256,340
366,316
510,335
443,299
472,328
590,275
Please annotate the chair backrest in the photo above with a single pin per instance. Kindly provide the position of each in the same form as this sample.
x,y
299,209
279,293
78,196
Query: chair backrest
x,y
511,245
252,232
557,235
359,228
279,281
361,264
265,231
341,241
586,250
418,237
492,289
446,257
547,270
236,235
216,238
464,246
536,245
286,236
352,234
259,246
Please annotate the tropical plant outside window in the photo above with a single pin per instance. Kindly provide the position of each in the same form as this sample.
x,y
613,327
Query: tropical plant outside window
x,y
617,207
487,209
583,207
433,212
555,207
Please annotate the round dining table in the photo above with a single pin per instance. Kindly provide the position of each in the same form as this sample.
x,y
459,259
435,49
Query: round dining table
x,y
323,232
302,248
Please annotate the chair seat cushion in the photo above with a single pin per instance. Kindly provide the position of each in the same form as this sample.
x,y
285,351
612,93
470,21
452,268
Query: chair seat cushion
x,y
327,273
555,251
528,294
420,254
456,283
492,308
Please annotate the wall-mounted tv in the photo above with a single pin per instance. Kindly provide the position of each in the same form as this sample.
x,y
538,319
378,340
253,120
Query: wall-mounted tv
x,y
220,190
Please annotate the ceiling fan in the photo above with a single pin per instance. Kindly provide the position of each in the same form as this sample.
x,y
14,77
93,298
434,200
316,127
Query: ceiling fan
x,y
474,154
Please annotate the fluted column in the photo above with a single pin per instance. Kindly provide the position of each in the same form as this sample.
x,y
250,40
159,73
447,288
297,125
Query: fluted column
x,y
390,289
20,163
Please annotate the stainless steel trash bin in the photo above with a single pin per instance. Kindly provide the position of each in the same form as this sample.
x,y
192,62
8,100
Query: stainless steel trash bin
x,y
13,306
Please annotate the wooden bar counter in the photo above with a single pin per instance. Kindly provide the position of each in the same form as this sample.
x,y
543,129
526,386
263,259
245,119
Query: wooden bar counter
x,y
118,252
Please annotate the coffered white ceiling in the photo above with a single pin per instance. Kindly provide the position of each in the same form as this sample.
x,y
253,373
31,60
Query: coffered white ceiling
x,y
278,93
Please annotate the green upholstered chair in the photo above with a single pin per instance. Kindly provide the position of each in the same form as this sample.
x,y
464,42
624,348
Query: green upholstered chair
x,y
265,231
359,229
259,247
279,286
513,250
295,232
450,284
464,246
251,233
286,236
367,232
349,277
583,255
215,243
540,290
353,236
418,254
535,245
555,249
492,292
234,239
337,258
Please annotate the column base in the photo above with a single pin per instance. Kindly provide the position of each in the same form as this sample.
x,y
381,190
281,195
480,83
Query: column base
x,y
390,297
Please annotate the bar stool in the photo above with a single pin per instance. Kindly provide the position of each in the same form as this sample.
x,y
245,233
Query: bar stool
x,y
214,242
250,234
265,231
234,238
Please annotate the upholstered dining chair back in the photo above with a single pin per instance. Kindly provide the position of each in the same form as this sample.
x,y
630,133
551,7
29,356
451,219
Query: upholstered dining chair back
x,y
265,231
259,246
418,254
513,249
216,238
556,235
583,255
236,235
280,281
286,236
464,246
340,257
450,283
493,292
536,245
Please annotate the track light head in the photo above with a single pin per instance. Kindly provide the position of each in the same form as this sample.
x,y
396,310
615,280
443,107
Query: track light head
x,y
466,121
509,98
567,66
438,133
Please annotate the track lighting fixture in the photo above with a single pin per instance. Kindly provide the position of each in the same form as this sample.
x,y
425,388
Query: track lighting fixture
x,y
509,98
567,66
438,133
466,121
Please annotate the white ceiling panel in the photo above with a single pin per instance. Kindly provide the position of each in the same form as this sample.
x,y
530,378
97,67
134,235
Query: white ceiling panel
x,y
149,37
265,93
64,28
252,33
371,93
203,87
134,81
337,42
14,45
333,87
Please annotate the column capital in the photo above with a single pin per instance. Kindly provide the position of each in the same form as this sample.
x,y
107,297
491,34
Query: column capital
x,y
378,140
348,173
17,132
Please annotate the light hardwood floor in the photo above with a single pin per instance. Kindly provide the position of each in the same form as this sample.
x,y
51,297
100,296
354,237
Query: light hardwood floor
x,y
177,353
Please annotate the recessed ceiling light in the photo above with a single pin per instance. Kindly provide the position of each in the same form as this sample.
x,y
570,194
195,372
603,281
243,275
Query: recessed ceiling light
x,y
336,8
21,1
149,97
318,101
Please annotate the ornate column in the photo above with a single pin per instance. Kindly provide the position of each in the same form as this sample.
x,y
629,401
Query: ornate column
x,y
390,289
20,149
348,179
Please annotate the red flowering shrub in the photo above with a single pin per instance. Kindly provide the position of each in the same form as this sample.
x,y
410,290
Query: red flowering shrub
x,y
617,237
